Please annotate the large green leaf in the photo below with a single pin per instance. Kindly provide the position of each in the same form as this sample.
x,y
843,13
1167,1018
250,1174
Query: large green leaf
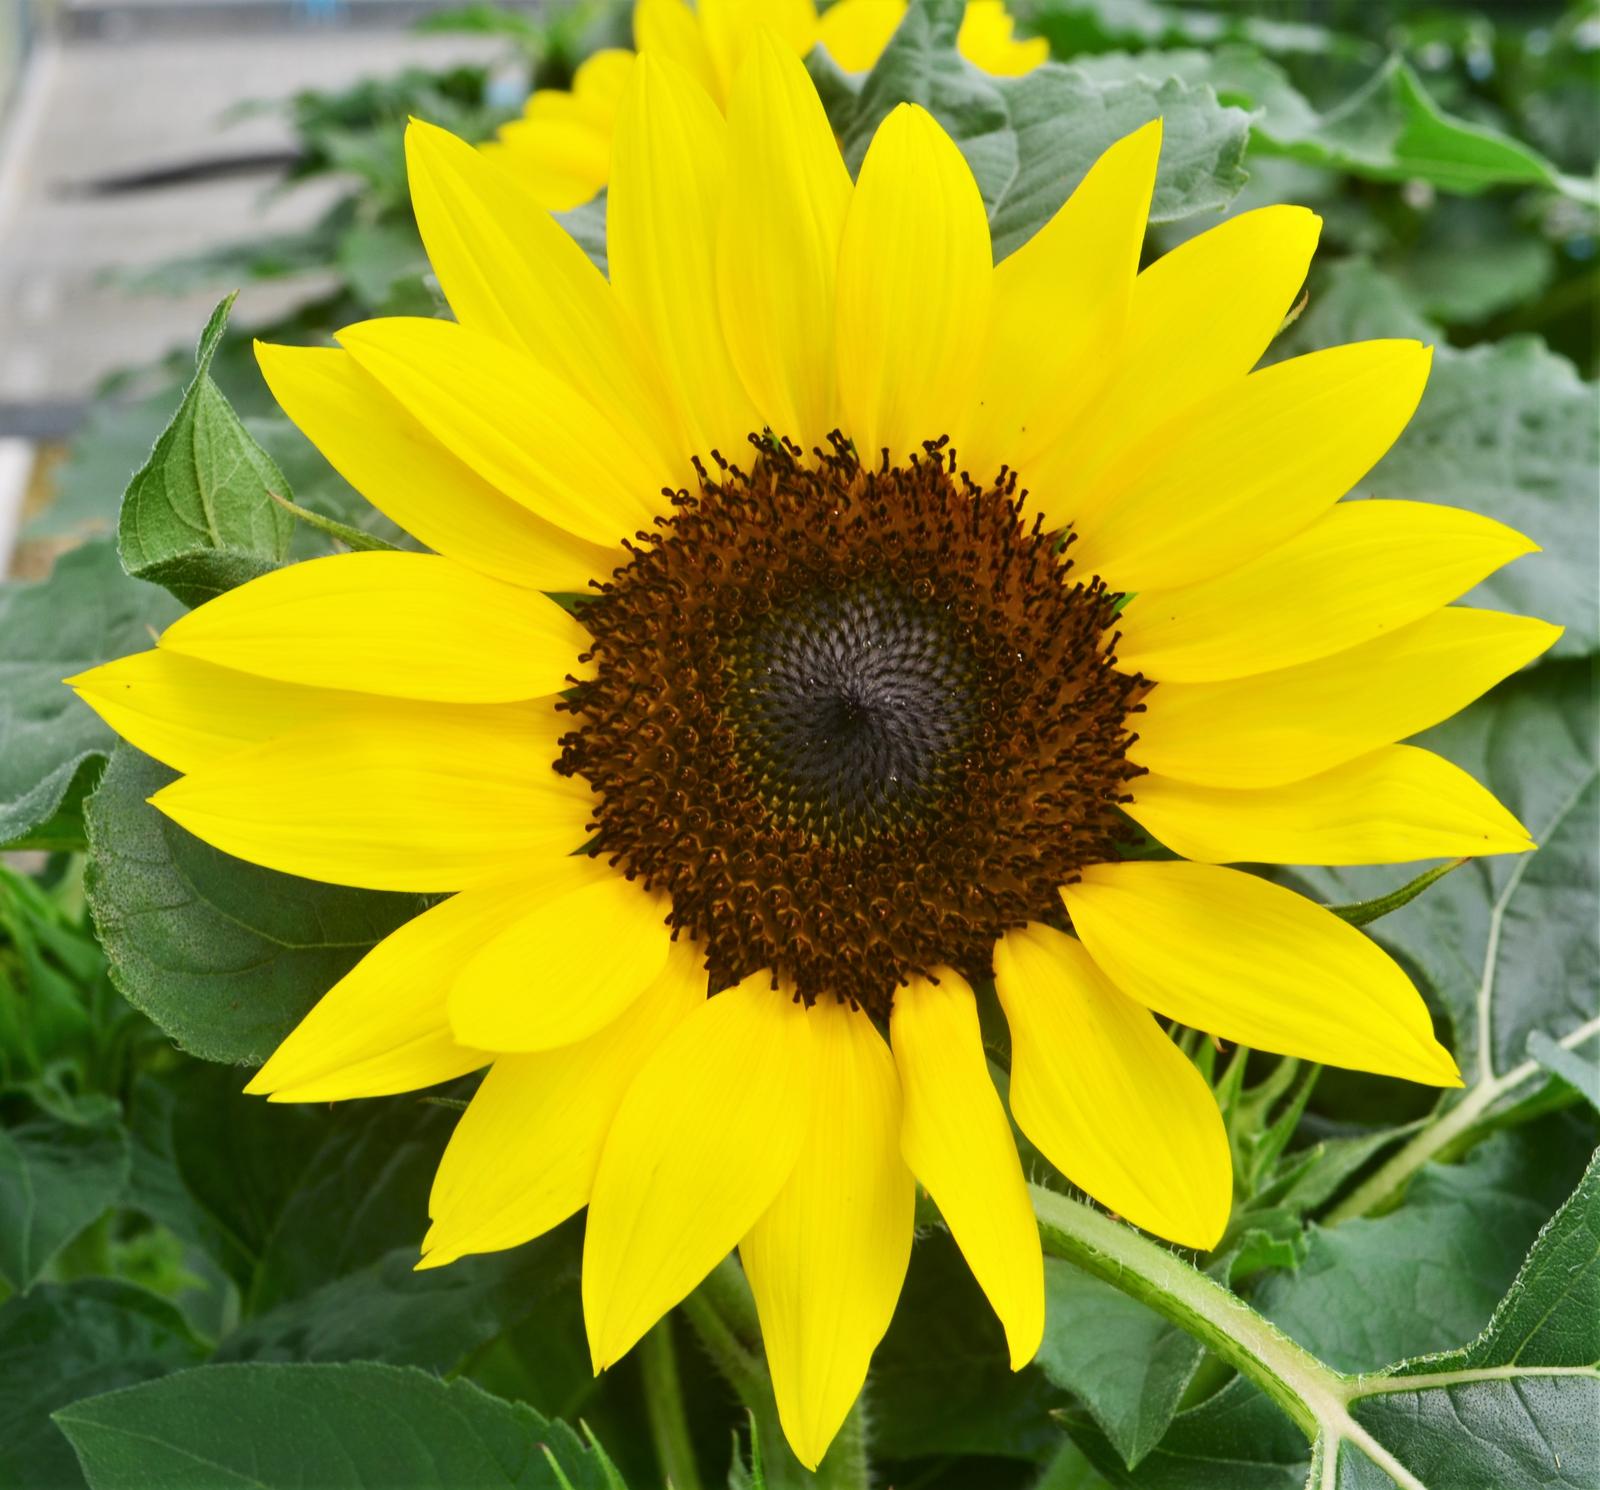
x,y
286,1197
198,517
1521,1404
1127,1365
357,1426
1428,1275
1029,140
1391,130
224,956
318,1217
1506,429
52,746
55,1178
942,1381
63,1342
1236,1440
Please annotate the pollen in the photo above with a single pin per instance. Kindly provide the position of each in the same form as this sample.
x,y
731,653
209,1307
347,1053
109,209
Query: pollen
x,y
855,721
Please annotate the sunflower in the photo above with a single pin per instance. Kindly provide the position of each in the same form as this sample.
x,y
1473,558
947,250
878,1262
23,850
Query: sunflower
x,y
857,716
561,146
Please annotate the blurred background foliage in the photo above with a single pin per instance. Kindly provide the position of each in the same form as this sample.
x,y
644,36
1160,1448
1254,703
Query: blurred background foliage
x,y
152,1218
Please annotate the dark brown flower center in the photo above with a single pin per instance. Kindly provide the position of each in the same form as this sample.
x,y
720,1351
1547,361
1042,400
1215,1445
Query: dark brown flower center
x,y
856,723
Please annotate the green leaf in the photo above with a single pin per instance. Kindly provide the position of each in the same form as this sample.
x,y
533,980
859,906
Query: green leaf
x,y
1391,130
941,1380
387,1311
1128,1366
55,746
1506,429
1581,1073
63,1342
224,956
357,1426
1388,130
318,1216
1237,1440
1429,1274
56,1177
1365,912
1474,260
1519,1405
198,518
1030,140
331,527
286,1197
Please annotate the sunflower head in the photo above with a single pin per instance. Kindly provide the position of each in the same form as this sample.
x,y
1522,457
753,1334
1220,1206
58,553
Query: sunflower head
x,y
909,578
856,723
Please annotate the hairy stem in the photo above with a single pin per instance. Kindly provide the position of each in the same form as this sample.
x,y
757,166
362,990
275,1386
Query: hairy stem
x,y
1308,1391
1387,1181
663,1401
845,1466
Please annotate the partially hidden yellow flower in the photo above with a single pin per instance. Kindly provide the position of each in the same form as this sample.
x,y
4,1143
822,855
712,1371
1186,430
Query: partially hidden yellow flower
x,y
561,146
850,721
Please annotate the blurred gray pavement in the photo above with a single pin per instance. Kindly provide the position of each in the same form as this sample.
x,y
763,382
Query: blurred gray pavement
x,y
103,103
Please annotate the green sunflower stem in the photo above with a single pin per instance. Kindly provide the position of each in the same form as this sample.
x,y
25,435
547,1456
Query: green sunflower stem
x,y
722,1312
663,1401
1297,1381
846,1467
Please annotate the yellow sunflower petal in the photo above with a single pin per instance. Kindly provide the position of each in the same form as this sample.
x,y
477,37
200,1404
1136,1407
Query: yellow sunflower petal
x,y
959,1145
1225,952
662,214
523,1156
568,964
1108,1098
1075,275
781,219
403,625
410,477
191,714
670,28
511,271
1362,569
703,1142
914,288
1200,318
1204,313
1284,726
827,1258
987,40
855,32
523,428
382,1027
1253,467
1394,806
404,797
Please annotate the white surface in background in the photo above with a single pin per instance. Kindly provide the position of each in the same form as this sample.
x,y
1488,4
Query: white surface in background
x,y
16,462
93,108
